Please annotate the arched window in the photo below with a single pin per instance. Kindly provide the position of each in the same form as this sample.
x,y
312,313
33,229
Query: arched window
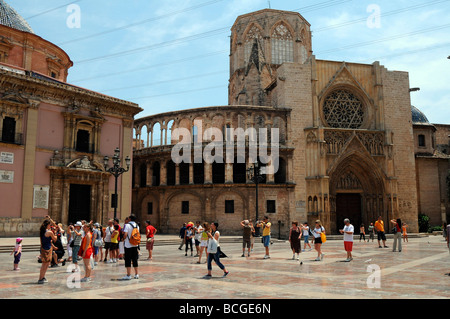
x,y
280,175
170,172
252,38
143,175
184,173
156,178
282,45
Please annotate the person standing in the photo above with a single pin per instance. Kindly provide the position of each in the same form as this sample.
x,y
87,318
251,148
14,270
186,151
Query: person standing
x,y
295,234
404,233
305,229
204,242
348,238
46,236
246,236
379,227
265,224
77,237
131,250
362,233
150,232
213,241
397,234
97,243
114,251
17,251
87,252
189,233
182,234
197,235
252,238
107,239
318,229
371,230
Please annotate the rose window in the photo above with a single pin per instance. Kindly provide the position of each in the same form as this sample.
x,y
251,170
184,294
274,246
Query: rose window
x,y
342,109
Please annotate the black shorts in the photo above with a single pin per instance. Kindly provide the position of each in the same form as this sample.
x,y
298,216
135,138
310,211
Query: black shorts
x,y
131,257
381,235
108,245
317,240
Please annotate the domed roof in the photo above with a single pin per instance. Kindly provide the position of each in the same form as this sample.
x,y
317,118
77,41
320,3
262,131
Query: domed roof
x,y
418,117
10,18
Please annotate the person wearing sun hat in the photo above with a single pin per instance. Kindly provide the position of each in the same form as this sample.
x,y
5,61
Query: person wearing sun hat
x,y
17,253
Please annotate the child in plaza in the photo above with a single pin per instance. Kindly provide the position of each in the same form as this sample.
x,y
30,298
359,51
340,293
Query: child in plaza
x,y
17,253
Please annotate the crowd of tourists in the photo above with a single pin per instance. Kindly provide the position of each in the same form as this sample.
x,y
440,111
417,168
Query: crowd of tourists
x,y
90,243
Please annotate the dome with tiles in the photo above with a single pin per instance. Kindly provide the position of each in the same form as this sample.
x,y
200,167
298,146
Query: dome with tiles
x,y
418,117
10,18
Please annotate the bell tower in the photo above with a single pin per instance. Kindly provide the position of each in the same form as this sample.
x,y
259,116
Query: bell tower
x,y
261,42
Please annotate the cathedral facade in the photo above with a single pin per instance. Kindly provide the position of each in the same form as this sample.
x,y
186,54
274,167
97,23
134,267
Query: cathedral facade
x,y
348,147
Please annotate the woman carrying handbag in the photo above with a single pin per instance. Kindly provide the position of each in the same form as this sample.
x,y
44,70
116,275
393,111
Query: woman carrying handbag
x,y
214,251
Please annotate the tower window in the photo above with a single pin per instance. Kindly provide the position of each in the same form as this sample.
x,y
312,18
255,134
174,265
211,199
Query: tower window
x,y
185,207
421,138
282,45
271,206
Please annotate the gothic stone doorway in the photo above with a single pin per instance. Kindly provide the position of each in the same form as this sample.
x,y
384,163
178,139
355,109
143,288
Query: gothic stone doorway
x,y
348,205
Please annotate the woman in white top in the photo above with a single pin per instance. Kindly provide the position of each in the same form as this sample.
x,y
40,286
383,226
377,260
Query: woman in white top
x,y
318,229
214,235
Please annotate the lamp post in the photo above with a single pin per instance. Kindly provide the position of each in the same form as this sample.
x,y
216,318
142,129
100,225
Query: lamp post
x,y
254,174
116,171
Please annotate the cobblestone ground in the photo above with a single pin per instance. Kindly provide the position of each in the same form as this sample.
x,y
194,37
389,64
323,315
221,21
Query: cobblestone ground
x,y
417,272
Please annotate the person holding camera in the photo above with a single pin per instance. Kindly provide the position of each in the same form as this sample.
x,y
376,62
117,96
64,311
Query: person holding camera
x,y
265,224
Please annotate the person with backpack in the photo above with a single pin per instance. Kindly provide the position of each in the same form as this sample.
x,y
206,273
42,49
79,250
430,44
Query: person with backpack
x,y
306,233
132,240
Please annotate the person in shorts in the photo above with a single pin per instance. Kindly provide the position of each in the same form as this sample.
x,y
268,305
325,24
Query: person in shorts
x,y
246,236
305,229
379,227
265,224
348,238
150,232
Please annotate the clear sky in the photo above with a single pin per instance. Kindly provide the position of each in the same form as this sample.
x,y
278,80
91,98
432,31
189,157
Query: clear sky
x,y
169,55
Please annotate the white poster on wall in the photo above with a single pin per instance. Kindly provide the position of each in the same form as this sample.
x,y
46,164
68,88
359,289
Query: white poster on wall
x,y
6,158
40,196
6,177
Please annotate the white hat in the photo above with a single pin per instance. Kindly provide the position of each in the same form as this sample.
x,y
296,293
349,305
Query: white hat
x,y
78,224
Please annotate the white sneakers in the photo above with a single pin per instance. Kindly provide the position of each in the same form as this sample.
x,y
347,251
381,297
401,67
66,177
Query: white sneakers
x,y
266,256
129,277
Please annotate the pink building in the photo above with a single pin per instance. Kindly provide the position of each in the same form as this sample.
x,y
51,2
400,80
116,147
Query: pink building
x,y
54,137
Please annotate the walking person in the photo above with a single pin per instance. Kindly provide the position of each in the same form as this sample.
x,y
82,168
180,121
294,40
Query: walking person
x,y
87,252
17,251
131,249
182,234
295,234
305,230
379,227
317,231
265,224
204,242
348,232
46,236
150,232
397,234
214,251
246,236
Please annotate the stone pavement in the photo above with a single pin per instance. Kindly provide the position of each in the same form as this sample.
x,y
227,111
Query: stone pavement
x,y
417,272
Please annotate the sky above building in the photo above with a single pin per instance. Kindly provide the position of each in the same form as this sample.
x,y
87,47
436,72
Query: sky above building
x,y
170,55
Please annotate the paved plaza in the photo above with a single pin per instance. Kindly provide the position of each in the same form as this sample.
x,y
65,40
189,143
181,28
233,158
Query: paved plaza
x,y
417,272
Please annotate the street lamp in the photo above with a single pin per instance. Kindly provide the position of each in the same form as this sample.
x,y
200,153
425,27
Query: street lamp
x,y
254,174
116,171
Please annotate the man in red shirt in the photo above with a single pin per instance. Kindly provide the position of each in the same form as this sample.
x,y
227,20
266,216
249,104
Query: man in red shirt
x,y
150,231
